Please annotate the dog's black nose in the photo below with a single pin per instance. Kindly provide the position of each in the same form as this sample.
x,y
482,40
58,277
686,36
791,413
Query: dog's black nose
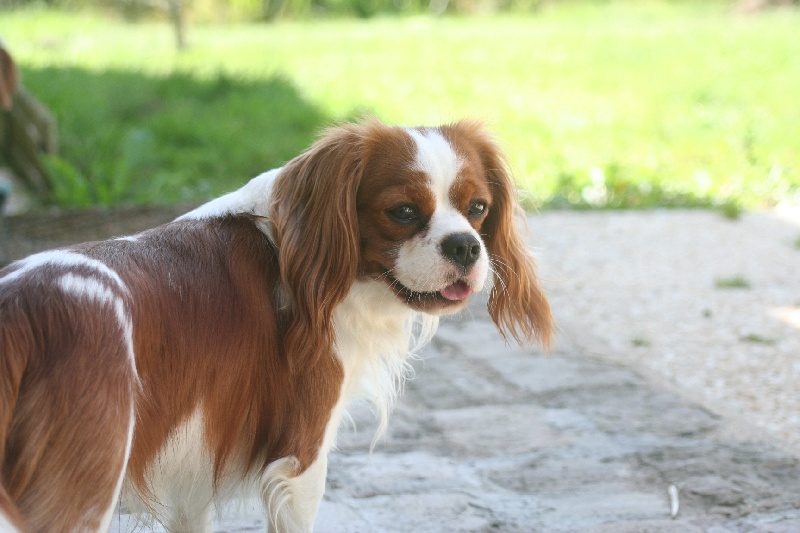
x,y
463,249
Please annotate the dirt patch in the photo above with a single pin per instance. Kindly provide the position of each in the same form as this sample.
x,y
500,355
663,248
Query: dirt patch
x,y
25,234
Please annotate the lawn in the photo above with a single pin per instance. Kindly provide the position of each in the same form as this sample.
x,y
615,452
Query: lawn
x,y
607,105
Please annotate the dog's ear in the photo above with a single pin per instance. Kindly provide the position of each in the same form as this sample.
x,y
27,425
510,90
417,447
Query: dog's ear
x,y
315,226
517,303
8,78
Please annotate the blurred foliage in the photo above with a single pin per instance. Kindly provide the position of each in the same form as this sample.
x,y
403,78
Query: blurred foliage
x,y
601,105
256,10
155,145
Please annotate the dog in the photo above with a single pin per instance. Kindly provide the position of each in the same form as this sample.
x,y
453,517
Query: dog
x,y
220,350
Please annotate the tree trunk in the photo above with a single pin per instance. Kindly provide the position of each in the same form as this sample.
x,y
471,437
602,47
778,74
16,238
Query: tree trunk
x,y
177,14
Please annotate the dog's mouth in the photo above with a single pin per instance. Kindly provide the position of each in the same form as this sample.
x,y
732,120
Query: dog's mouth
x,y
452,295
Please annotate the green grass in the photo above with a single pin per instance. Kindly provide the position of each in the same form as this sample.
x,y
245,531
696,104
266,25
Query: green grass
x,y
605,105
640,342
758,339
129,138
735,282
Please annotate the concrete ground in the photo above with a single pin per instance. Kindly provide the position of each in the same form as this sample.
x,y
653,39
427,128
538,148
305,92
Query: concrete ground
x,y
490,437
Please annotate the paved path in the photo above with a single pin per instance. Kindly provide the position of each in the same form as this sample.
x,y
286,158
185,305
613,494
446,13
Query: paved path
x,y
489,438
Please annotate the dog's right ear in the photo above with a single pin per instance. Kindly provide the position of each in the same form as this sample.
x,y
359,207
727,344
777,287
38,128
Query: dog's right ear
x,y
9,78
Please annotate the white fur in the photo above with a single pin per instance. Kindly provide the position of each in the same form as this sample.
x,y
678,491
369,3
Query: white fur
x,y
105,522
5,525
420,265
375,333
292,501
94,289
60,258
253,198
181,481
437,159
276,495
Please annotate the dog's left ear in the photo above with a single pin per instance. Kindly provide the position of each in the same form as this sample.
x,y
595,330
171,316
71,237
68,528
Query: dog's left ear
x,y
315,226
517,303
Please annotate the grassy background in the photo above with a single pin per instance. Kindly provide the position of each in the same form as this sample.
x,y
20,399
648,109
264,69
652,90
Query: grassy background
x,y
603,105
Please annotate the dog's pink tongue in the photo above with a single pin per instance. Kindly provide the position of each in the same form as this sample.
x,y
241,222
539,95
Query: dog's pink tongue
x,y
456,292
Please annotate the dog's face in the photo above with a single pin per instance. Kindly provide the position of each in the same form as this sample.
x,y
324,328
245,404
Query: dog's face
x,y
421,207
428,212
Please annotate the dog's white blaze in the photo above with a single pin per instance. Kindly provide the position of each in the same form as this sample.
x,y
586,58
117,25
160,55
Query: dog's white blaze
x,y
436,158
60,258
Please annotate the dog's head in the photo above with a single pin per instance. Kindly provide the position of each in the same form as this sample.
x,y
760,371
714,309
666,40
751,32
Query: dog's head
x,y
428,212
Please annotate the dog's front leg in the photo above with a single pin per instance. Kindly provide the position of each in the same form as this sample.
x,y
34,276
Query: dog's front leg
x,y
291,501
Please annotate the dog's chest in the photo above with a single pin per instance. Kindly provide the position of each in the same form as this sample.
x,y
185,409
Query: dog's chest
x,y
372,343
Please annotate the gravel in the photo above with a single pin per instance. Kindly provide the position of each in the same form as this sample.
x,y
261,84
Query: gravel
x,y
707,305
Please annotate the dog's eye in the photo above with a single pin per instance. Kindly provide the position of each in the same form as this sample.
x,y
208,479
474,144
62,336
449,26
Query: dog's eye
x,y
405,214
477,209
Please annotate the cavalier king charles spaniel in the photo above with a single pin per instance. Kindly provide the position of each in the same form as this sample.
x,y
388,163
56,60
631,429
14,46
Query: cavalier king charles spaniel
x,y
221,350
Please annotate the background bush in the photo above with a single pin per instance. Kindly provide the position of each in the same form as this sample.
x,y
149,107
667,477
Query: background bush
x,y
598,104
257,10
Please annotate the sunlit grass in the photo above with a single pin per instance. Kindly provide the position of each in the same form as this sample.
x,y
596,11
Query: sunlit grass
x,y
735,282
596,105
